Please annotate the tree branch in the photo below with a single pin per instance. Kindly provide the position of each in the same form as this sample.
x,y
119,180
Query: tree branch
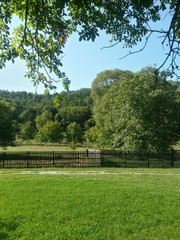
x,y
26,21
140,50
110,45
173,20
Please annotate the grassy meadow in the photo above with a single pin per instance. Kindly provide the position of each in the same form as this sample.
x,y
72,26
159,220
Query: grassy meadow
x,y
43,147
89,204
55,147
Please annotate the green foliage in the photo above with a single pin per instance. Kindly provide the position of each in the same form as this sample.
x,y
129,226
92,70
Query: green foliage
x,y
28,115
28,131
50,132
139,113
42,119
79,97
38,109
7,130
74,133
92,135
100,87
67,115
104,81
45,26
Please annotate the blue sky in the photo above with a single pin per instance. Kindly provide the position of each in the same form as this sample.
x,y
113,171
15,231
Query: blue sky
x,y
82,61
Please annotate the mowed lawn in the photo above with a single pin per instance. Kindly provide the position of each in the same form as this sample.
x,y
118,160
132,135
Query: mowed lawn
x,y
90,204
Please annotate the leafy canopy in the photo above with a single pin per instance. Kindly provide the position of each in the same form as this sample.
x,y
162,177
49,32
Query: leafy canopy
x,y
46,25
137,112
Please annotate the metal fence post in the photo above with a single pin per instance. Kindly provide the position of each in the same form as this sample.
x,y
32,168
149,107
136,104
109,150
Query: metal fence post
x,y
148,159
125,159
4,158
27,158
78,158
172,158
53,157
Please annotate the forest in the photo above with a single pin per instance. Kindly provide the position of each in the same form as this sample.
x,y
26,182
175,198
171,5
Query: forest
x,y
122,110
37,116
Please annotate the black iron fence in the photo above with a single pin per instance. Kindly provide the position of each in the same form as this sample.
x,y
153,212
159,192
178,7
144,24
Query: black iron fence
x,y
46,159
141,159
89,158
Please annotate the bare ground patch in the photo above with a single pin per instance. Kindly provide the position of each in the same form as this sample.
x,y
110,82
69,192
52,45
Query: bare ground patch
x,y
54,172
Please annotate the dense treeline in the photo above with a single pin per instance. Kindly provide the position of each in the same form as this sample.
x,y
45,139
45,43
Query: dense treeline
x,y
39,117
123,110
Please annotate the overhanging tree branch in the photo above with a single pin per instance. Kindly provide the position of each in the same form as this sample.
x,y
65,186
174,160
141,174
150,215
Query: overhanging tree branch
x,y
50,22
140,50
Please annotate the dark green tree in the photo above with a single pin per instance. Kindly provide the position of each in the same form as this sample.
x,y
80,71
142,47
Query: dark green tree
x,y
7,131
27,131
28,114
78,114
81,97
42,119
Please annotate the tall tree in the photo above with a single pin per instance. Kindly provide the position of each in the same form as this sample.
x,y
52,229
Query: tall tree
x,y
7,131
100,87
140,113
46,25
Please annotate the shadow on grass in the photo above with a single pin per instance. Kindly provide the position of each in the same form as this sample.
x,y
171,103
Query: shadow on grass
x,y
8,227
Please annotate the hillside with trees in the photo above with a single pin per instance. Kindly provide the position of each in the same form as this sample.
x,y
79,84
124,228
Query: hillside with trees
x,y
38,116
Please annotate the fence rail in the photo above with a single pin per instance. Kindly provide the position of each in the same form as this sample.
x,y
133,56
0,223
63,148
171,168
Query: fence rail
x,y
89,158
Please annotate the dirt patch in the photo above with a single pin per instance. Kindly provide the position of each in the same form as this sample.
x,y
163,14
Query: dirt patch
x,y
41,172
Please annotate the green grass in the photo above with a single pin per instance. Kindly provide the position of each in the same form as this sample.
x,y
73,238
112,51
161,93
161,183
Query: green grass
x,y
54,147
90,203
42,147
